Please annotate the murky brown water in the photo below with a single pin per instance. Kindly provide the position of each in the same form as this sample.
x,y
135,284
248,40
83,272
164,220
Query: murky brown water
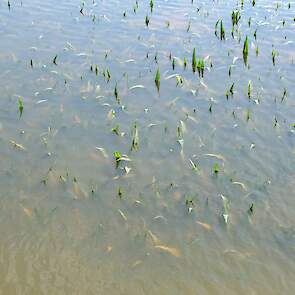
x,y
203,201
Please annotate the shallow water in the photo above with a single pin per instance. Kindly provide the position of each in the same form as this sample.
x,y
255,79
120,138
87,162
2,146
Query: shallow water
x,y
72,222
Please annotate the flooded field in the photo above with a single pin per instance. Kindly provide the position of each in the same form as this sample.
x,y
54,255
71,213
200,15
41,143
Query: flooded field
x,y
147,147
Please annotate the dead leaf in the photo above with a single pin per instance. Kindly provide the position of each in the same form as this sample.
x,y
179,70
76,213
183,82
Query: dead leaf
x,y
136,263
122,215
154,238
204,225
219,157
28,212
17,145
172,251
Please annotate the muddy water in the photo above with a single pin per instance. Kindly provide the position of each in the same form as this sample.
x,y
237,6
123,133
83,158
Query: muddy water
x,y
201,199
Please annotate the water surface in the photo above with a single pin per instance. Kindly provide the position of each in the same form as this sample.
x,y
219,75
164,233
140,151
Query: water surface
x,y
205,202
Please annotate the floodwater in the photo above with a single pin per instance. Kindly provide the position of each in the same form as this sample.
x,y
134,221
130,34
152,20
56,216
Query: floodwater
x,y
201,197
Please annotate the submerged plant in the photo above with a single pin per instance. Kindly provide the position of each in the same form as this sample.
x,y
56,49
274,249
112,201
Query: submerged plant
x,y
20,106
120,193
284,95
116,130
190,204
158,79
119,158
245,50
236,16
135,7
210,108
147,21
116,93
251,209
222,31
179,80
216,26
135,138
248,115
194,61
216,169
201,67
255,34
54,60
107,75
82,7
231,90
151,5
188,26
156,57
273,55
249,89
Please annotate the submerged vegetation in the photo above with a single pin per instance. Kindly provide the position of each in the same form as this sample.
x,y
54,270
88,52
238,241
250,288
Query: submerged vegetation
x,y
246,50
20,106
158,79
201,67
194,61
221,33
